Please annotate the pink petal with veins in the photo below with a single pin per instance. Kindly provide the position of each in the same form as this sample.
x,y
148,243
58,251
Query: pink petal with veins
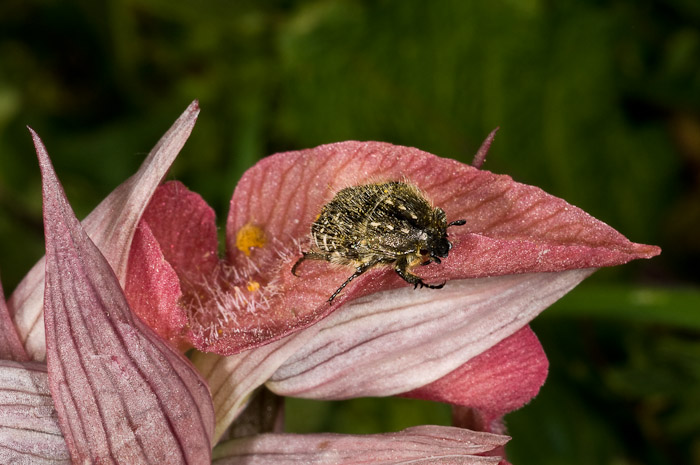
x,y
153,289
111,226
511,228
122,394
29,431
419,445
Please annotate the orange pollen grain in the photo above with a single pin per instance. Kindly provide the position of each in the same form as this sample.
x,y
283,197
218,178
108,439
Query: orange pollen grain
x,y
253,286
250,236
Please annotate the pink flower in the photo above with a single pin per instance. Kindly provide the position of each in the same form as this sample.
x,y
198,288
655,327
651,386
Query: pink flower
x,y
122,393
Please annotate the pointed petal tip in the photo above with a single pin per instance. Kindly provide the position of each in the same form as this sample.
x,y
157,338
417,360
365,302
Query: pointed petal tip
x,y
35,137
647,251
480,156
193,108
636,251
48,175
39,146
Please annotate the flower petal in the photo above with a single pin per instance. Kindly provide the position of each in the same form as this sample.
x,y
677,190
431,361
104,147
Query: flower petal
x,y
111,226
495,382
153,289
418,445
184,227
122,394
11,347
511,228
395,341
233,379
29,431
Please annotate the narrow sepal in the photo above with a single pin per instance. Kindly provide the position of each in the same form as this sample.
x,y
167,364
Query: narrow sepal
x,y
122,394
111,226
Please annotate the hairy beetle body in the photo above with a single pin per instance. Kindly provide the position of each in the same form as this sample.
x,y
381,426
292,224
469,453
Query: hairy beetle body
x,y
374,224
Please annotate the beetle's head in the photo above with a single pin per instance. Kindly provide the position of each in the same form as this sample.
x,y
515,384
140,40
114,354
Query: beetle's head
x,y
438,245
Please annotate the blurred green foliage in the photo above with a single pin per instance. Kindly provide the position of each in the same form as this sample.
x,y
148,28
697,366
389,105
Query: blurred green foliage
x,y
598,103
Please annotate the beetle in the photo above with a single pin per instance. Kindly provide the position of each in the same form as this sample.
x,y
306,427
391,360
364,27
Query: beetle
x,y
388,223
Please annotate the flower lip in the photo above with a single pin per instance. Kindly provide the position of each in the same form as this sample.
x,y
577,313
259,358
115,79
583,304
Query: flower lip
x,y
509,228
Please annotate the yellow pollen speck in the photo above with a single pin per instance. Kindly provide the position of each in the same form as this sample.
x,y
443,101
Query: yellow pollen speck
x,y
250,236
253,286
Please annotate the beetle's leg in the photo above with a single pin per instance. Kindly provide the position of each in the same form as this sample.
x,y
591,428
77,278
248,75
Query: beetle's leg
x,y
358,271
431,260
294,268
307,256
401,268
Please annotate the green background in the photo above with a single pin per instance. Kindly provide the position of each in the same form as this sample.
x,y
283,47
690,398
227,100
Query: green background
x,y
598,103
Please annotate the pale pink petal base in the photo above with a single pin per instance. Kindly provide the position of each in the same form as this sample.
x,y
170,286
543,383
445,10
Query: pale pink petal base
x,y
395,341
233,379
29,431
122,394
419,445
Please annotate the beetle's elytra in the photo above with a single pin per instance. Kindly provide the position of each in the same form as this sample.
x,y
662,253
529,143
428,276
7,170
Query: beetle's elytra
x,y
380,224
